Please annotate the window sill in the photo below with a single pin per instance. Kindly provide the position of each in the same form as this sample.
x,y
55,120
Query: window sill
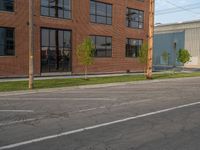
x,y
54,18
14,56
7,12
95,23
103,57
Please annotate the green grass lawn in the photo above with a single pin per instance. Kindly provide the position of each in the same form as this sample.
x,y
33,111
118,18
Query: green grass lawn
x,y
53,83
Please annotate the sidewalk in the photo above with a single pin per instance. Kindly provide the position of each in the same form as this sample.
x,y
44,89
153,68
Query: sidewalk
x,y
81,76
47,90
67,77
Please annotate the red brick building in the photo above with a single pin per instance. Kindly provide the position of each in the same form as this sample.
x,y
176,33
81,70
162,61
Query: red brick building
x,y
117,27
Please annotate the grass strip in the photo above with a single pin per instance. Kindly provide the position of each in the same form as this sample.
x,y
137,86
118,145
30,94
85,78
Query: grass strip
x,y
54,83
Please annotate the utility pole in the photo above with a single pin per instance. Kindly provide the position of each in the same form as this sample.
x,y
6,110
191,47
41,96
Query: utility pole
x,y
150,38
31,43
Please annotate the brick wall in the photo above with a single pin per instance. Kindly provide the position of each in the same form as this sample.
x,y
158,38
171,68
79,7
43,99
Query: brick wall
x,y
81,27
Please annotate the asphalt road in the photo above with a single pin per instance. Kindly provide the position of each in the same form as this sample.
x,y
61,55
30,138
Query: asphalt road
x,y
161,115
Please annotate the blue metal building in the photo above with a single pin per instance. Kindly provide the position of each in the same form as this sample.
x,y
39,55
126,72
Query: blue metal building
x,y
172,37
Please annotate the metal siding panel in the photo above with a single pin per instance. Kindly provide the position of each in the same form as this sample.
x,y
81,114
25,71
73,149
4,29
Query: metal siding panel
x,y
164,42
192,43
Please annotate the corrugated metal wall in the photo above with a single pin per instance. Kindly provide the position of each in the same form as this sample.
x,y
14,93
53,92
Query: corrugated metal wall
x,y
192,43
165,42
189,38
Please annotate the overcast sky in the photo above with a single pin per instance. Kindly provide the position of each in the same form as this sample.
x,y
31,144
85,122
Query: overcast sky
x,y
192,11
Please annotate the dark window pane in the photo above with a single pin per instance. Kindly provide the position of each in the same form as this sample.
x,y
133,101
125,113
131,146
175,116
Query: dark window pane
x,y
92,8
109,10
103,46
101,9
56,8
109,43
132,47
67,39
45,3
109,20
45,11
67,4
55,50
60,9
52,5
67,14
93,18
7,5
52,35
45,37
135,18
100,12
7,42
61,38
101,19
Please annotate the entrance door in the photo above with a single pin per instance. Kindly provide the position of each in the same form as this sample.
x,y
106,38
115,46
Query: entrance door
x,y
55,50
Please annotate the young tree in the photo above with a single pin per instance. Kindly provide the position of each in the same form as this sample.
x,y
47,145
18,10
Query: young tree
x,y
143,56
165,57
183,56
85,53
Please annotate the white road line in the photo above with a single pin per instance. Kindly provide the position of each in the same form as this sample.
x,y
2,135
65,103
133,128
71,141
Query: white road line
x,y
63,99
115,105
132,102
85,110
95,126
15,122
102,107
17,111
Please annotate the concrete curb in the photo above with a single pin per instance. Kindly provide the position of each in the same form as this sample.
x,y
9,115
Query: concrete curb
x,y
24,92
75,76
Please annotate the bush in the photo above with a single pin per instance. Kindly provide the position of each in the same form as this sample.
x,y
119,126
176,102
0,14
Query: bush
x,y
183,56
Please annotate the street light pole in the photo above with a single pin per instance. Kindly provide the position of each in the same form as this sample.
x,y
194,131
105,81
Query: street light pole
x,y
31,44
150,39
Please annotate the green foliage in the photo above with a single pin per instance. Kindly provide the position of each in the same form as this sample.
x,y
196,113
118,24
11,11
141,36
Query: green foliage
x,y
143,54
85,52
53,83
183,56
165,57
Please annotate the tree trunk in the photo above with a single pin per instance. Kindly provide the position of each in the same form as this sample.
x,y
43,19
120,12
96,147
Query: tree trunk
x,y
86,70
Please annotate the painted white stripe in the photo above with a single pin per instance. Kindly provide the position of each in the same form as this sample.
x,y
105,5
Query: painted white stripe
x,y
95,126
62,99
132,102
31,111
115,105
85,110
15,122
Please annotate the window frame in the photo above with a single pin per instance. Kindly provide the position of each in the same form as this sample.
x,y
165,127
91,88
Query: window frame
x,y
14,42
96,15
70,49
57,17
13,10
107,49
128,43
139,11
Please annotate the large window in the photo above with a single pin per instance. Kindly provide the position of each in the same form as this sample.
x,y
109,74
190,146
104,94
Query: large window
x,y
100,12
56,8
103,46
7,5
135,18
7,46
132,47
55,50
